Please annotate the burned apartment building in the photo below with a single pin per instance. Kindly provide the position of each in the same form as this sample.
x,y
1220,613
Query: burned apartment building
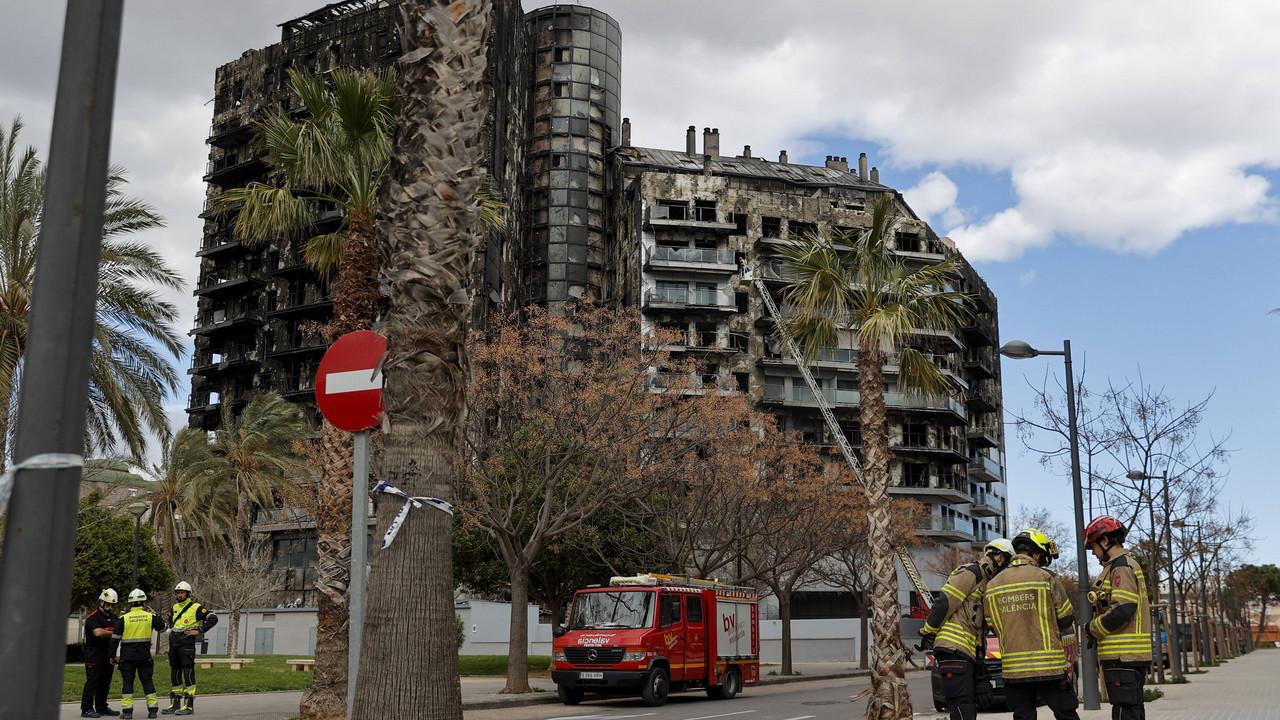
x,y
591,216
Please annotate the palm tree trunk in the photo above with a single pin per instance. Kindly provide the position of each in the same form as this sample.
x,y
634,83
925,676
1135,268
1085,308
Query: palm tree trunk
x,y
409,658
326,699
518,645
889,699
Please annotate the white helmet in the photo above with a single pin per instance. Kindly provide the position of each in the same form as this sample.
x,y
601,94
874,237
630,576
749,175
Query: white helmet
x,y
109,596
184,585
999,545
136,596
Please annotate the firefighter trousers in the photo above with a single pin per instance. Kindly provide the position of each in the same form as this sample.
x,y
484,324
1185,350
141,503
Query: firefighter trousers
x,y
1124,689
97,681
1058,694
957,674
143,668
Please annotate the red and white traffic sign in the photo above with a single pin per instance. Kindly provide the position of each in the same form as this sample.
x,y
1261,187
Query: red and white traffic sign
x,y
348,390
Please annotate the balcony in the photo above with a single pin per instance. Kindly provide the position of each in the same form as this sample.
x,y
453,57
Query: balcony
x,y
238,357
688,383
946,341
232,132
946,488
234,167
986,504
667,217
979,366
292,262
985,470
716,260
951,411
981,332
919,249
310,301
217,244
983,436
826,357
234,316
775,272
298,343
945,528
983,536
298,384
979,399
950,451
716,300
236,276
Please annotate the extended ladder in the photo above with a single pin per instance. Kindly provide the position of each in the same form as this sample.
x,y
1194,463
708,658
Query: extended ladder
x,y
908,562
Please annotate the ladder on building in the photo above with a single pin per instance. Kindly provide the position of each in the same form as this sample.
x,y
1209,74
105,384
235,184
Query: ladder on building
x,y
908,562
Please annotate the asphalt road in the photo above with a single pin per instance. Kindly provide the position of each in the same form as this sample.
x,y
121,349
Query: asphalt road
x,y
810,700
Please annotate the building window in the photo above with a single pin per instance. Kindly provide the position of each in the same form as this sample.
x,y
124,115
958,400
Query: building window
x,y
771,227
823,605
704,210
915,475
915,435
802,229
673,210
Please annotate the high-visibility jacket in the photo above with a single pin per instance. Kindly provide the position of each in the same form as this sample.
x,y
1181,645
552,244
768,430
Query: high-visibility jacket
x,y
132,634
1031,613
190,615
956,618
1122,626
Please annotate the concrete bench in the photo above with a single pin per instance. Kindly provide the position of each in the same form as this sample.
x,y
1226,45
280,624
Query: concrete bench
x,y
302,664
233,663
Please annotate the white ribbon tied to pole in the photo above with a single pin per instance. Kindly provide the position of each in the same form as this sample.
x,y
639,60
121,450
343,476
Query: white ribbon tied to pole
x,y
43,461
409,501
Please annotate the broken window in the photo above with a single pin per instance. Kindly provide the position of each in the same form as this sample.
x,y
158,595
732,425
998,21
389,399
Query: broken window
x,y
559,160
915,475
710,377
704,210
802,229
915,435
738,342
563,55
852,431
706,334
739,221
673,210
771,227
560,89
742,381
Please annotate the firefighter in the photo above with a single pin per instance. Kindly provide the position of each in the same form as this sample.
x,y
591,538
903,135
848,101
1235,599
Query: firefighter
x,y
132,639
97,656
190,622
1121,626
1034,619
956,631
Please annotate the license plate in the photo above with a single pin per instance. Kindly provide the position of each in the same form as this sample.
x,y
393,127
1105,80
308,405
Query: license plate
x,y
589,675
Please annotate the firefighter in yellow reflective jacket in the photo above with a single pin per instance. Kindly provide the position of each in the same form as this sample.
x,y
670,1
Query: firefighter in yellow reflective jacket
x,y
131,638
1033,617
1122,620
956,631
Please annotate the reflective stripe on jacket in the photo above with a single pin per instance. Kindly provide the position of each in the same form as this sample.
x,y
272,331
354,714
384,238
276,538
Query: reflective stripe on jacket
x,y
1029,610
961,620
1123,623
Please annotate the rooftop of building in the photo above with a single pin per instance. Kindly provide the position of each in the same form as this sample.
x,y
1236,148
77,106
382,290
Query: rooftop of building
x,y
327,14
744,166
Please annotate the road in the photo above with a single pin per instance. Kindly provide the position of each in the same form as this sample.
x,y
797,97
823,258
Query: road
x,y
811,700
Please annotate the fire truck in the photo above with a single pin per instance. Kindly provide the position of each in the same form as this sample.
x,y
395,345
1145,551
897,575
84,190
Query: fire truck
x,y
651,635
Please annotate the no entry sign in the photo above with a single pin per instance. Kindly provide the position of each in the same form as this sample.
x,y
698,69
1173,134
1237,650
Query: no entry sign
x,y
348,390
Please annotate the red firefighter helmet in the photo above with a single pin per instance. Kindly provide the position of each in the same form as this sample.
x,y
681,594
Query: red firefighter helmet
x,y
1104,525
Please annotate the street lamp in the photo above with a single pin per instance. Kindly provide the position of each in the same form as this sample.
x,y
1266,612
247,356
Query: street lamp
x,y
1019,350
1175,633
138,509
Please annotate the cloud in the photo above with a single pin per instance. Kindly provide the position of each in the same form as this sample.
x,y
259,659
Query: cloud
x,y
1027,277
1004,236
934,197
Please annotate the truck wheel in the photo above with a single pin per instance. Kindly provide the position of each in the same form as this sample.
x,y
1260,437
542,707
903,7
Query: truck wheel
x,y
655,688
568,695
726,690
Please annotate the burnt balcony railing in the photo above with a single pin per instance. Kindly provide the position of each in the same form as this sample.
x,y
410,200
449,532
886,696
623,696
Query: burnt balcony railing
x,y
227,275
713,257
690,298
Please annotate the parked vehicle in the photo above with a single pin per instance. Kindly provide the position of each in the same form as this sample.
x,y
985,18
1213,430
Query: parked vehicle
x,y
651,635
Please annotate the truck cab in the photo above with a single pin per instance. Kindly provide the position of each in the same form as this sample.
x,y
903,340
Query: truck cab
x,y
651,635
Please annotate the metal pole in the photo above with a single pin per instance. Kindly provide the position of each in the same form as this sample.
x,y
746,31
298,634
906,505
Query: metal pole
x,y
39,550
137,530
1204,598
1088,656
1175,639
359,559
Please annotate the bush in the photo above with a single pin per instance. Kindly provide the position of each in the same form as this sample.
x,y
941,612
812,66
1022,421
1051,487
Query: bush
x,y
75,652
462,630
1151,694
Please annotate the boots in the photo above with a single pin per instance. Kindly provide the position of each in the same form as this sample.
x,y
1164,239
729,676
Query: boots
x,y
151,713
175,704
126,713
188,706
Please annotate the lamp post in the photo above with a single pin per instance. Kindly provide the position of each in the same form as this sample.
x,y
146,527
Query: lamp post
x,y
1019,350
138,509
1175,633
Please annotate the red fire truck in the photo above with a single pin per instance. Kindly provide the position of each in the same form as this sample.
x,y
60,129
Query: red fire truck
x,y
656,634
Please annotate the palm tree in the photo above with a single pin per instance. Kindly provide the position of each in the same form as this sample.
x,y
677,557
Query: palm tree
x,y
179,491
432,217
336,156
134,341
868,291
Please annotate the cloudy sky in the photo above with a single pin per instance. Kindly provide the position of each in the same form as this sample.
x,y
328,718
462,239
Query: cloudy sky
x,y
1109,170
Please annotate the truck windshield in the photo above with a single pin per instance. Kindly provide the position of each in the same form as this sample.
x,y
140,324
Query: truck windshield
x,y
612,609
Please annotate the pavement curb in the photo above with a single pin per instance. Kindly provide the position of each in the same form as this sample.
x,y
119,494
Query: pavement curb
x,y
547,698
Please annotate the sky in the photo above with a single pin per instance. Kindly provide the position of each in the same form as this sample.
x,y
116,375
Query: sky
x,y
1109,171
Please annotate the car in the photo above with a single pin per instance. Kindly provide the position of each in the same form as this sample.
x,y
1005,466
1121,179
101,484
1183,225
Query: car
x,y
994,669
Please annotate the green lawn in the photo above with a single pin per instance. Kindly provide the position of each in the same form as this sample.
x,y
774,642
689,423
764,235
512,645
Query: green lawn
x,y
265,673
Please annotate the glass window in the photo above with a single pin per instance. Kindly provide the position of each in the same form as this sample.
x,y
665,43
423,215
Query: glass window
x,y
615,609
693,608
670,611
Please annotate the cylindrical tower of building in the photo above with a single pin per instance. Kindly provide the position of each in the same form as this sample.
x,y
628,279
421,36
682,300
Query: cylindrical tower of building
x,y
575,116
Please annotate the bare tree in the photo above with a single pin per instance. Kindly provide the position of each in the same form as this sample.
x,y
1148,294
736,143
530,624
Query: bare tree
x,y
235,580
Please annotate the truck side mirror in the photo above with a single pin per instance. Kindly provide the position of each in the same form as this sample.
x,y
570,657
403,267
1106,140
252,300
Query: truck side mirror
x,y
558,630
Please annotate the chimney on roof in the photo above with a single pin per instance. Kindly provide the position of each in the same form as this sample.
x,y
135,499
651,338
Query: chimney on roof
x,y
711,141
838,163
626,132
691,141
746,151
875,175
706,166
862,166
782,157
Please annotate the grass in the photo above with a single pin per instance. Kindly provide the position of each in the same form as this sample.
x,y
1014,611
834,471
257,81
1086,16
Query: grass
x,y
1178,680
264,674
1152,694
